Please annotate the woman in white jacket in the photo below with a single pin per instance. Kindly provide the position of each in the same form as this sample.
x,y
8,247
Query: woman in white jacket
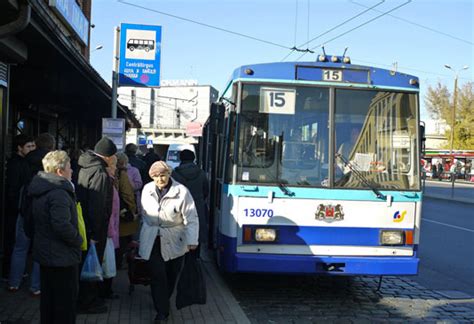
x,y
170,229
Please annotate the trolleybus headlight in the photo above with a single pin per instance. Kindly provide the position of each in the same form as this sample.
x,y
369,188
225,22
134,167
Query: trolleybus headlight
x,y
265,235
392,237
334,59
346,59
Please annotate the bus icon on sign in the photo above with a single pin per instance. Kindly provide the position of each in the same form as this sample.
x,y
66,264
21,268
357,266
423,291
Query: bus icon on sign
x,y
140,44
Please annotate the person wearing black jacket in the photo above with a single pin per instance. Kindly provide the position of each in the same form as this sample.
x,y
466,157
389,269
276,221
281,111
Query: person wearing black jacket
x,y
95,193
56,242
17,175
194,178
45,143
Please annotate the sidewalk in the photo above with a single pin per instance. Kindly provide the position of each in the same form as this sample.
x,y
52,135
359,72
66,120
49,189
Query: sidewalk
x,y
221,305
463,191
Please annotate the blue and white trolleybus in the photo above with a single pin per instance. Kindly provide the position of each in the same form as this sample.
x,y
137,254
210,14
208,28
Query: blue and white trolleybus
x,y
314,169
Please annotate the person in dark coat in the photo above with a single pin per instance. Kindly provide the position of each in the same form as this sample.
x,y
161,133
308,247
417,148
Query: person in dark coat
x,y
17,176
440,171
56,242
95,193
44,143
131,152
150,158
194,178
434,171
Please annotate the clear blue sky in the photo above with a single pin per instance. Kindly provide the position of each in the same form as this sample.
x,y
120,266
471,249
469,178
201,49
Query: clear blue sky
x,y
191,51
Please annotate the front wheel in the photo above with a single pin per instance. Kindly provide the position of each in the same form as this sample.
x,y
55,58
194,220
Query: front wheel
x,y
132,49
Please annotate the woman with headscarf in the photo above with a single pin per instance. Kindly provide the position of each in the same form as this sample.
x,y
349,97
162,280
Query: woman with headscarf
x,y
170,229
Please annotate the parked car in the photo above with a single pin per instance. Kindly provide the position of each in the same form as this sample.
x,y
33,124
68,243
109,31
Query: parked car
x,y
172,156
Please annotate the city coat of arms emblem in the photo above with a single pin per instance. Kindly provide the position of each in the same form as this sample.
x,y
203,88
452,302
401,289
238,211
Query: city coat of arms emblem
x,y
329,213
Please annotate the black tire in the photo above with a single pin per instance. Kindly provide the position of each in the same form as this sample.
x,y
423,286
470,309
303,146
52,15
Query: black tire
x,y
131,48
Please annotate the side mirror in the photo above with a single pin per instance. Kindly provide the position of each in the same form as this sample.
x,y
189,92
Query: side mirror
x,y
422,137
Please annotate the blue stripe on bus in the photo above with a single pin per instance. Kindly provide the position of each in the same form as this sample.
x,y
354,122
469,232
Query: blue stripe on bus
x,y
288,71
231,261
242,190
339,85
314,235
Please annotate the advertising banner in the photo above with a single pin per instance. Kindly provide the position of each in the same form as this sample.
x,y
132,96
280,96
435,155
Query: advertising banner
x,y
140,55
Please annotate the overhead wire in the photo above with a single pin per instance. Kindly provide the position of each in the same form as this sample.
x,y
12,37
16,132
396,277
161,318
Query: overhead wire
x,y
205,25
358,26
333,28
420,25
354,60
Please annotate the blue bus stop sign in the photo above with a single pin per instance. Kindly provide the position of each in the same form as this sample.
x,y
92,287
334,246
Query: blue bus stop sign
x,y
140,55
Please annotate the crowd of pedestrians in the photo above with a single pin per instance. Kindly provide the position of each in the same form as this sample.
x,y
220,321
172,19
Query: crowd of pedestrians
x,y
120,199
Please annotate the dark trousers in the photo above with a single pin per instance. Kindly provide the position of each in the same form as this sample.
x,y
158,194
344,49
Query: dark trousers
x,y
59,287
124,241
163,278
9,233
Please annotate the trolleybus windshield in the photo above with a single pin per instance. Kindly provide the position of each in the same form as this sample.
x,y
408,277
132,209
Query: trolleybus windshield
x,y
283,137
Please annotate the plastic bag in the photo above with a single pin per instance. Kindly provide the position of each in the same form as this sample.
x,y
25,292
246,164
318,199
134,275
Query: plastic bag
x,y
108,264
191,288
91,270
82,227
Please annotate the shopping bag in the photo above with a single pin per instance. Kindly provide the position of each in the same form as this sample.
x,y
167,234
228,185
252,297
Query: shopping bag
x,y
108,264
91,270
191,285
82,227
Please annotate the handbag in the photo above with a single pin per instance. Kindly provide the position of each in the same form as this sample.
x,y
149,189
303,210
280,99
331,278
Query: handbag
x,y
91,270
81,227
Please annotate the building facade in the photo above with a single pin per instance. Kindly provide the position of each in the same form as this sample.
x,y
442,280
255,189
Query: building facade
x,y
172,113
46,81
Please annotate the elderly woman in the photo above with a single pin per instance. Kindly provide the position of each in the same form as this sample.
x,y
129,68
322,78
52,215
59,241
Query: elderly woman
x,y
57,242
170,229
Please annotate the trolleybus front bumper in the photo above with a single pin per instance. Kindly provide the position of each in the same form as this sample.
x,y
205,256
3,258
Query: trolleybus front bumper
x,y
300,264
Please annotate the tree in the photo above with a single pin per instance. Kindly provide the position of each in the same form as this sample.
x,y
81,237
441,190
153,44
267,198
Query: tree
x,y
439,103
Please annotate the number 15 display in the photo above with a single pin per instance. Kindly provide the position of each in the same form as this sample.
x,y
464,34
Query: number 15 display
x,y
277,100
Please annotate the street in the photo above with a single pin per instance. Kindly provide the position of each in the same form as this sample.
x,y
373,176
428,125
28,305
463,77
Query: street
x,y
447,240
443,290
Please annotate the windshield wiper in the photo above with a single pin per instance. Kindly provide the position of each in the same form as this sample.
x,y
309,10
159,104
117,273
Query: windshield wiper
x,y
285,189
360,176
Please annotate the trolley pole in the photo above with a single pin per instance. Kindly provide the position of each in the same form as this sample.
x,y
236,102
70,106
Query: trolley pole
x,y
115,71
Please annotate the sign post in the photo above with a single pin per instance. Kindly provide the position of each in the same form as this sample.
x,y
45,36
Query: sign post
x,y
114,72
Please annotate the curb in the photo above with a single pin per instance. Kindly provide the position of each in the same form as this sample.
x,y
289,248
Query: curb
x,y
228,298
448,198
468,183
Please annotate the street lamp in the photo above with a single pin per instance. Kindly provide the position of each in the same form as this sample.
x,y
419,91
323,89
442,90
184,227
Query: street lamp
x,y
456,73
98,47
